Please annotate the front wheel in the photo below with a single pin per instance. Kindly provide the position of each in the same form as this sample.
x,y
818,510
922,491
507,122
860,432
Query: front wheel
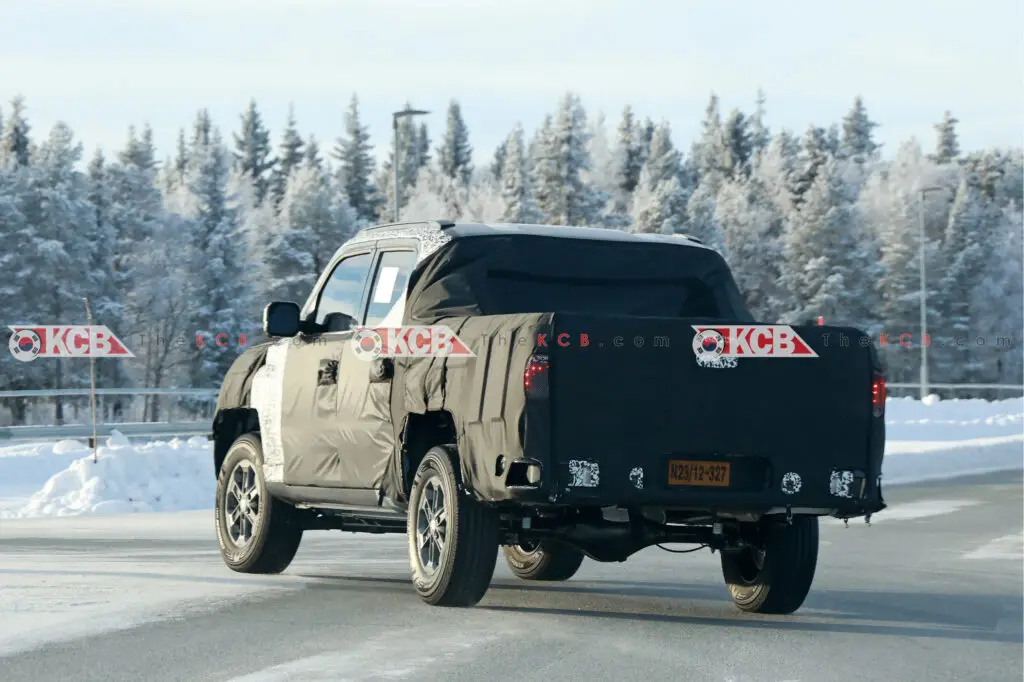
x,y
547,560
256,532
776,575
453,539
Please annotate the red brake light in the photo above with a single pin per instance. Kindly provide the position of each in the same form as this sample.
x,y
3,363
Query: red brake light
x,y
535,377
878,394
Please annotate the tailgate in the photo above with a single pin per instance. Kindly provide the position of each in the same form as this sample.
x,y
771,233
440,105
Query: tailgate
x,y
635,396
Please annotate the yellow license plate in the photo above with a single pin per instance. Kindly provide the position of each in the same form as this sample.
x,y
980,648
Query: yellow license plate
x,y
684,472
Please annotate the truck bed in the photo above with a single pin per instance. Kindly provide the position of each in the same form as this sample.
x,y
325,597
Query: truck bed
x,y
633,406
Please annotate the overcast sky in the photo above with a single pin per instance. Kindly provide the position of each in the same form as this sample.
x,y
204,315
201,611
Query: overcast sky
x,y
103,64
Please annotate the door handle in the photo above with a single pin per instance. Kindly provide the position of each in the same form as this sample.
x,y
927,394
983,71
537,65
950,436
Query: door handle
x,y
328,373
381,370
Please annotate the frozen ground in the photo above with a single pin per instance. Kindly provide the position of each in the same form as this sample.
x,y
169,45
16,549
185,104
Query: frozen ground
x,y
931,589
931,593
924,442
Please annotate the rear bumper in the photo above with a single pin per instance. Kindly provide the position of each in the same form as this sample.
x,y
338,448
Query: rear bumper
x,y
821,489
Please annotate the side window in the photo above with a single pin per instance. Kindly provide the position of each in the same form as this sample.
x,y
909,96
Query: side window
x,y
389,283
342,293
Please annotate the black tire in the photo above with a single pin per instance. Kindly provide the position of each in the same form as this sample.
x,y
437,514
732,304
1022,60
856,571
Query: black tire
x,y
274,535
547,560
777,578
458,571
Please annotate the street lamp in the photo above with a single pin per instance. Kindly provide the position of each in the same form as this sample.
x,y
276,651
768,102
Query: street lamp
x,y
394,122
924,293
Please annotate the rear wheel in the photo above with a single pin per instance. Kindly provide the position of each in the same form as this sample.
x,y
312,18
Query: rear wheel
x,y
776,576
256,532
543,560
453,539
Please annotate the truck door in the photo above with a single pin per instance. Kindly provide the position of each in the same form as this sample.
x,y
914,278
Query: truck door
x,y
315,436
365,407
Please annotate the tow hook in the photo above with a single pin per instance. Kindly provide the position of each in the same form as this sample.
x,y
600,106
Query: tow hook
x,y
789,515
867,519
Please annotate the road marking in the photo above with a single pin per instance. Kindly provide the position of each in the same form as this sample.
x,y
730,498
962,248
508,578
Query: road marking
x,y
1010,547
397,655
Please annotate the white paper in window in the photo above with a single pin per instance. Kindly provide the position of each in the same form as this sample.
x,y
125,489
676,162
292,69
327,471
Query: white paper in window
x,y
385,285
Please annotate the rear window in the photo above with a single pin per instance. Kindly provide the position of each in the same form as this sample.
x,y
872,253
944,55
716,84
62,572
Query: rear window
x,y
516,292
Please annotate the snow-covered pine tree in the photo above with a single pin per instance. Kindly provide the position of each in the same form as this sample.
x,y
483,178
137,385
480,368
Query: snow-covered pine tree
x,y
202,130
658,207
15,144
357,167
857,140
455,155
709,151
947,145
180,165
760,135
498,162
289,156
18,234
751,224
252,150
62,250
663,159
813,155
819,264
518,205
220,285
965,253
422,147
311,155
738,145
312,227
629,155
107,298
561,160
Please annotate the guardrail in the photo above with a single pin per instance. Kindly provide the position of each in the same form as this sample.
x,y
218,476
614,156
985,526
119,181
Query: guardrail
x,y
962,387
203,427
55,393
193,428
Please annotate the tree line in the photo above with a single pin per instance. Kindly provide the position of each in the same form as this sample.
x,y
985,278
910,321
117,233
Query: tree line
x,y
818,223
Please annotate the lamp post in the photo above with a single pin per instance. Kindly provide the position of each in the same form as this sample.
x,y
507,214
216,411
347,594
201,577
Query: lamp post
x,y
924,293
394,124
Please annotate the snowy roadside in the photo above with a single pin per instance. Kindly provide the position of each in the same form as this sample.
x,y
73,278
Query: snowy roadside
x,y
924,442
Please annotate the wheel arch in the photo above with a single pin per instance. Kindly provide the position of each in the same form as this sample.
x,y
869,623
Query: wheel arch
x,y
228,425
422,432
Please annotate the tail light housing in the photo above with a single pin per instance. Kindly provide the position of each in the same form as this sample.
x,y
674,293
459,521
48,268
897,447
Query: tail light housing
x,y
535,376
878,394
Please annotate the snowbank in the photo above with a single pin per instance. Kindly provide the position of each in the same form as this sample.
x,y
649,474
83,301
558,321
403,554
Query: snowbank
x,y
938,439
125,478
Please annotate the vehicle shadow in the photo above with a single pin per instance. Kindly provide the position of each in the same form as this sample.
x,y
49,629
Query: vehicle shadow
x,y
894,614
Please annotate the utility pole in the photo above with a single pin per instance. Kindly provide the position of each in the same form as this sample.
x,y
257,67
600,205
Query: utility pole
x,y
394,124
924,292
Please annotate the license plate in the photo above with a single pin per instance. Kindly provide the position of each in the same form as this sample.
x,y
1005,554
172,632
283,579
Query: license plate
x,y
683,472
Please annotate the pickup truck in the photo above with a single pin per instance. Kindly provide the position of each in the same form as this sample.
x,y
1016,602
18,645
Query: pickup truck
x,y
593,393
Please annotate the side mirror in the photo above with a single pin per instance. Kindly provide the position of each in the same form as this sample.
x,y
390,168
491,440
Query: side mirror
x,y
338,322
281,318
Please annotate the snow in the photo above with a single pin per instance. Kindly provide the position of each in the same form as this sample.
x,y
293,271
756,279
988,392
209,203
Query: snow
x,y
925,441
1008,547
71,577
125,478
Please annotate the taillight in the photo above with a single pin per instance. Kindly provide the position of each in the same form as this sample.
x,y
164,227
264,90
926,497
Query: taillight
x,y
535,377
878,394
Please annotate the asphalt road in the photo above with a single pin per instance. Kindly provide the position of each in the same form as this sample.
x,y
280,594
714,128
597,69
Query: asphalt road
x,y
903,599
